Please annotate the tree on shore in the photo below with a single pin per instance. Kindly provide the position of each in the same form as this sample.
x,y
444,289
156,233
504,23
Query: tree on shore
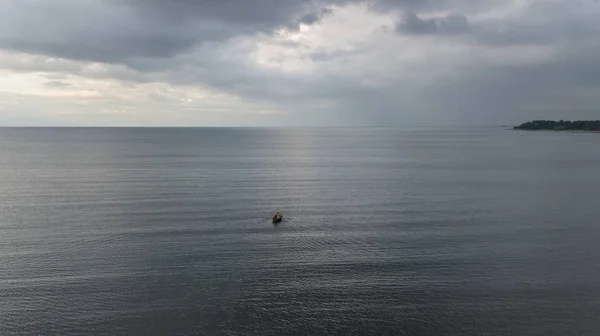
x,y
562,125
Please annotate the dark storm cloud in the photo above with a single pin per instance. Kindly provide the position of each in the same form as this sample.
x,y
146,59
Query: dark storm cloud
x,y
95,31
466,6
541,22
116,31
449,24
314,17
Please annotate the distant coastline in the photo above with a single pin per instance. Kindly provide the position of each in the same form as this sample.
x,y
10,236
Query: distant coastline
x,y
561,125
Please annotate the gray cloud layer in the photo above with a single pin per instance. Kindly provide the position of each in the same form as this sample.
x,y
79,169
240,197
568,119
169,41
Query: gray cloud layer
x,y
448,24
154,37
117,30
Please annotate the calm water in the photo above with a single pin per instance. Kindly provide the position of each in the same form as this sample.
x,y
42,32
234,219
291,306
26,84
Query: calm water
x,y
415,231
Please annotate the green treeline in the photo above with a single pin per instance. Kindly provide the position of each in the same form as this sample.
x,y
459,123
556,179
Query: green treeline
x,y
562,125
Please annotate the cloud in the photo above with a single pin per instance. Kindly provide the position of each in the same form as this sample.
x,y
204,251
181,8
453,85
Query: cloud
x,y
56,84
116,31
454,23
319,61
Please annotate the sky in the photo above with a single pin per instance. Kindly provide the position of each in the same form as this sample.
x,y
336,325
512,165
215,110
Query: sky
x,y
297,62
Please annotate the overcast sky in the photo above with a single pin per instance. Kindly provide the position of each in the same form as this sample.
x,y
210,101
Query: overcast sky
x,y
298,62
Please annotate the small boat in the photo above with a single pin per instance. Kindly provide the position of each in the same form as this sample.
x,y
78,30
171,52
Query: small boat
x,y
277,218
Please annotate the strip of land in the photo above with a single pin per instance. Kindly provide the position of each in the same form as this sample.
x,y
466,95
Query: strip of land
x,y
561,125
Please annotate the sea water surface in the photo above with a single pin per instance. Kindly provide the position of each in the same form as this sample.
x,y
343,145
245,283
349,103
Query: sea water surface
x,y
389,231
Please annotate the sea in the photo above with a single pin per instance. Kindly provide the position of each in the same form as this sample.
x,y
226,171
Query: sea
x,y
386,231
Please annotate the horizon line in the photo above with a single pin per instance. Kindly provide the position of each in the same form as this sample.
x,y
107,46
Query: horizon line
x,y
270,127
